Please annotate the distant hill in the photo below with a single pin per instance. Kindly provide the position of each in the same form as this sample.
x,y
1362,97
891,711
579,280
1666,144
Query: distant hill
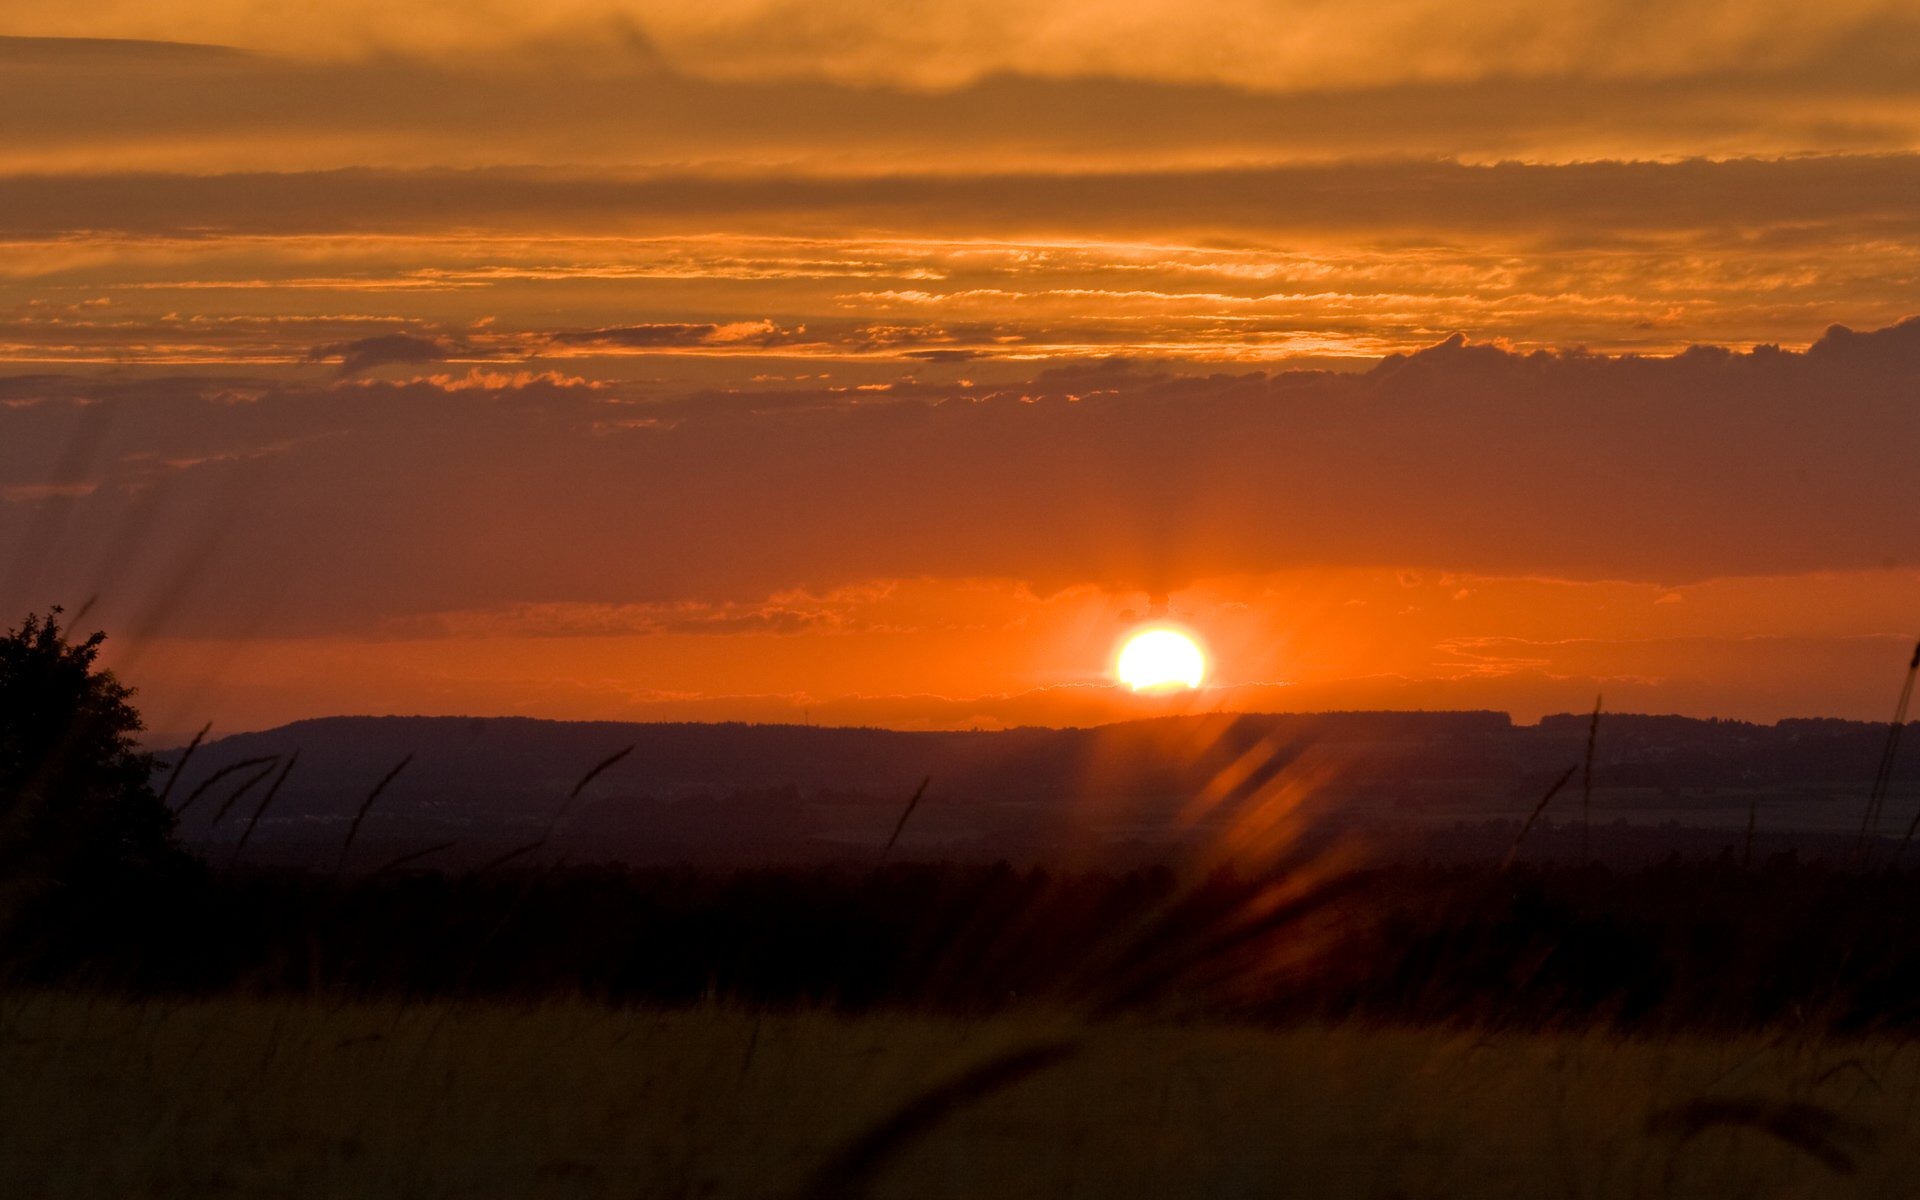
x,y
747,792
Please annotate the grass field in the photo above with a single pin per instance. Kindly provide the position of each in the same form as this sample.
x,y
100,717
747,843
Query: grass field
x,y
304,1098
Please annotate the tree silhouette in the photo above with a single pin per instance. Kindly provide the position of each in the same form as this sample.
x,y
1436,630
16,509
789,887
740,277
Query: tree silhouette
x,y
78,816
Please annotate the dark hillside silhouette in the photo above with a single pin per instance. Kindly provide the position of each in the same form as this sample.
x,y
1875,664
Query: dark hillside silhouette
x,y
738,793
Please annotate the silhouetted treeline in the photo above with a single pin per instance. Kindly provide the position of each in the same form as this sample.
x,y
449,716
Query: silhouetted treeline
x,y
1682,944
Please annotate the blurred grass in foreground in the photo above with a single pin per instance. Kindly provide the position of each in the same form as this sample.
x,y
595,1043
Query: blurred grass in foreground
x,y
292,1097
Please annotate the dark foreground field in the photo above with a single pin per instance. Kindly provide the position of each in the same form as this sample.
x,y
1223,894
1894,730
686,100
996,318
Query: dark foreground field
x,y
1393,1030
293,1097
1687,945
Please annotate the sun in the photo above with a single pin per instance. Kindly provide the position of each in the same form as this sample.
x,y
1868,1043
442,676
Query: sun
x,y
1161,659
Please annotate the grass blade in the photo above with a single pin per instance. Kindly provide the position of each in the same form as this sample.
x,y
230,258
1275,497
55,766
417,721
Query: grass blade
x,y
261,811
411,856
366,805
503,859
1883,775
850,1173
553,822
217,776
1586,787
902,823
180,768
1535,815
272,761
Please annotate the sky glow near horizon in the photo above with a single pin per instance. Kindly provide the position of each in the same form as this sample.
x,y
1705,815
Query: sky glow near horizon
x,y
884,364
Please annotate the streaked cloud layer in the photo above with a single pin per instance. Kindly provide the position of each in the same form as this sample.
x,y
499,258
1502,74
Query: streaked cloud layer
x,y
1353,259
1256,44
91,105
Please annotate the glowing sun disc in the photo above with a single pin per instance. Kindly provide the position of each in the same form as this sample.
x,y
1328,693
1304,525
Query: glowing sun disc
x,y
1161,660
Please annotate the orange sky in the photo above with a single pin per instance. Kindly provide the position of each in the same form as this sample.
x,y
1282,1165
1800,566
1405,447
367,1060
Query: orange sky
x,y
881,363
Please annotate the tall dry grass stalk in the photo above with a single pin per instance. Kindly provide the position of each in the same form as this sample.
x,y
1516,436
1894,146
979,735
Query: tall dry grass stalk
x,y
1586,787
501,860
266,801
560,812
207,783
412,856
1826,1136
851,1172
1883,774
1900,851
901,824
1514,851
1289,876
353,830
186,756
219,814
525,892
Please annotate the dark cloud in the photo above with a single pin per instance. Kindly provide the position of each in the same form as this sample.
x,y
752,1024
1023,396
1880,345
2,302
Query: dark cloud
x,y
671,335
1460,457
26,53
1554,206
225,109
364,354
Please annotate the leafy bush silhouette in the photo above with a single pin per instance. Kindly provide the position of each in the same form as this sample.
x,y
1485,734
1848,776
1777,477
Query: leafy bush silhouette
x,y
79,821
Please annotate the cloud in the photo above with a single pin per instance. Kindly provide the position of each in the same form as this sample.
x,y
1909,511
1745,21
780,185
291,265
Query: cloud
x,y
785,614
1546,207
1851,89
396,499
678,335
477,380
365,354
1273,47
1241,265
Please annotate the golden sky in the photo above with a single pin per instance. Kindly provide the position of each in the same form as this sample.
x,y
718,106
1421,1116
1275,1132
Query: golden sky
x,y
884,363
